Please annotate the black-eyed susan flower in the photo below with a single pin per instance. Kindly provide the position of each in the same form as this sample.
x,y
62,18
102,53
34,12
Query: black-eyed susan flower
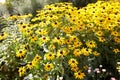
x,y
44,39
79,75
3,35
77,43
46,76
102,39
115,33
91,44
96,53
74,68
62,52
22,71
99,33
73,62
116,50
48,66
117,39
29,65
41,32
36,59
77,52
33,38
21,53
51,47
50,56
86,51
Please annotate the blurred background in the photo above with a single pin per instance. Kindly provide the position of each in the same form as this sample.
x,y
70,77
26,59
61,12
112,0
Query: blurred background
x,y
11,7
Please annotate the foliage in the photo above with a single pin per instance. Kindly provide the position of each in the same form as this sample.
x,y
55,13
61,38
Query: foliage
x,y
62,41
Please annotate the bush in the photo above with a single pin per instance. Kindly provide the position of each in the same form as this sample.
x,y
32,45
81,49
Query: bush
x,y
62,41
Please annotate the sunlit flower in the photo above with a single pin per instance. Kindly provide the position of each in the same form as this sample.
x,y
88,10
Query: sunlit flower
x,y
36,59
22,71
99,33
50,56
101,39
73,62
77,52
29,65
3,36
48,66
79,75
86,51
91,44
115,33
20,53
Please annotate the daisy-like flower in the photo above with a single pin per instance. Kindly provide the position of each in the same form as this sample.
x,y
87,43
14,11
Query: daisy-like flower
x,y
44,39
33,38
96,53
36,59
91,44
86,51
3,35
116,50
29,65
72,62
21,53
114,33
50,56
48,66
79,75
101,39
74,68
117,39
99,33
22,71
77,52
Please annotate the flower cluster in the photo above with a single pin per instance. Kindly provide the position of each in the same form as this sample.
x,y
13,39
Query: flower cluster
x,y
62,39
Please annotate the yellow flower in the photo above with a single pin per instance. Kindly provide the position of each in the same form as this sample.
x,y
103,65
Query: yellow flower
x,y
45,77
36,59
21,53
62,52
86,51
50,56
116,50
101,39
77,52
51,47
117,39
23,27
56,24
44,39
41,32
3,35
33,38
91,44
22,71
72,62
79,75
81,27
114,33
48,66
29,65
77,43
59,40
99,33
74,68
96,53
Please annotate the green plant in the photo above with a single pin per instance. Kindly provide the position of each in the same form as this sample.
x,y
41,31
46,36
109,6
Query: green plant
x,y
62,41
